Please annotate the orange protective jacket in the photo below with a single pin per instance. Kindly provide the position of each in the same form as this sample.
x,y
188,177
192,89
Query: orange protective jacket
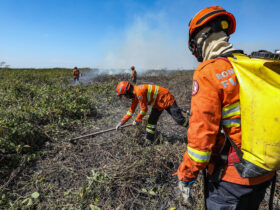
x,y
215,101
133,75
76,73
159,97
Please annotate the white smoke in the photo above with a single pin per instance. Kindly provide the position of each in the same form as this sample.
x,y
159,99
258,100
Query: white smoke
x,y
149,44
89,75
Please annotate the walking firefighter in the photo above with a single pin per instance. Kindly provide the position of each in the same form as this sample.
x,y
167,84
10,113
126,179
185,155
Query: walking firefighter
x,y
158,97
133,75
76,74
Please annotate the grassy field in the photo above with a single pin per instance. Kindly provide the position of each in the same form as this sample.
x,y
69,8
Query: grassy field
x,y
39,169
40,105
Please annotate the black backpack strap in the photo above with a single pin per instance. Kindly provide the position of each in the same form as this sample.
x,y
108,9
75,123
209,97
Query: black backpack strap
x,y
272,190
236,148
221,162
223,158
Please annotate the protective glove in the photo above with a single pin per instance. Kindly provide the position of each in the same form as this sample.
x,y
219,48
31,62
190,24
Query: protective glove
x,y
135,122
185,188
119,125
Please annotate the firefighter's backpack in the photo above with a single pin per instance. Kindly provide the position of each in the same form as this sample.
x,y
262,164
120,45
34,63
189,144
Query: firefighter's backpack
x,y
259,79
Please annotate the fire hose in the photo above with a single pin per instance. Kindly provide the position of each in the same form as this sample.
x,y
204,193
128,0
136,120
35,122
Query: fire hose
x,y
73,140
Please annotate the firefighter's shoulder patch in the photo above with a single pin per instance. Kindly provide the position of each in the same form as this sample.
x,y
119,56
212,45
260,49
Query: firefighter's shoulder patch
x,y
140,98
195,87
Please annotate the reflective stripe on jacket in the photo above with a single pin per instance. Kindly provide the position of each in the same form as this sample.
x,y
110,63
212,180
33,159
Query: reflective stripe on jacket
x,y
231,111
159,97
215,101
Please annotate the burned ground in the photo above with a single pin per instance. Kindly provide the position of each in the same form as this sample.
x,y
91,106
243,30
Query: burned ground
x,y
114,170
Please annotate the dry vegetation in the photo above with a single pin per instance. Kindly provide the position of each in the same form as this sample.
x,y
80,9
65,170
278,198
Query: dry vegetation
x,y
114,170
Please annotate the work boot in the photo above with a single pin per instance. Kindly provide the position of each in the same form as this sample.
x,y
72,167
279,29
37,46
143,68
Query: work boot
x,y
149,139
147,143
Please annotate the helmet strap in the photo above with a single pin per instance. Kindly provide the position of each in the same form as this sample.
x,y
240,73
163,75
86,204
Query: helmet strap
x,y
198,48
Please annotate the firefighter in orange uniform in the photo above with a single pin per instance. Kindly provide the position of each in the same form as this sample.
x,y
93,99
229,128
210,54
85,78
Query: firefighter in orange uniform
x,y
76,74
158,97
215,106
133,75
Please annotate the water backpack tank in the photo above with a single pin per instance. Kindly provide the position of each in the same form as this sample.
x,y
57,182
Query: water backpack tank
x,y
259,79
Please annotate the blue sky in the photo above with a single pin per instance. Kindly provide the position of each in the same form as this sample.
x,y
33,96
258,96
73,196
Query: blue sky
x,y
120,33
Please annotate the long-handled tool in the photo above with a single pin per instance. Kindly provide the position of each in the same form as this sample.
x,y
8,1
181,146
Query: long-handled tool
x,y
96,133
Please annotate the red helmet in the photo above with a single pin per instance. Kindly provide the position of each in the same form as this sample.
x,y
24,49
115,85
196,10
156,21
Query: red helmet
x,y
122,88
132,67
75,67
217,18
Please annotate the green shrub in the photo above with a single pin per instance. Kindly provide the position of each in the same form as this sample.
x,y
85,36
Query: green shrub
x,y
41,104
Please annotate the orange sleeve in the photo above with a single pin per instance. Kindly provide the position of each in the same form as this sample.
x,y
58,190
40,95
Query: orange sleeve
x,y
131,110
204,125
73,72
